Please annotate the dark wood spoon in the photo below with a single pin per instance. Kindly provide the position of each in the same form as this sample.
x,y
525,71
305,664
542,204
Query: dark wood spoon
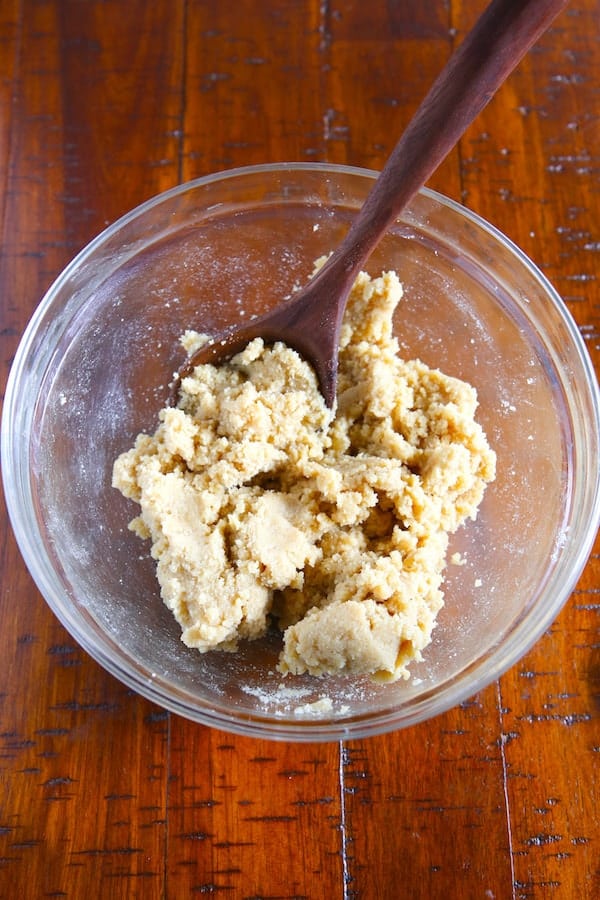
x,y
310,321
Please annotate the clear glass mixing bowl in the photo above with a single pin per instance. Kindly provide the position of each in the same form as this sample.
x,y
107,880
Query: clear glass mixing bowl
x,y
92,371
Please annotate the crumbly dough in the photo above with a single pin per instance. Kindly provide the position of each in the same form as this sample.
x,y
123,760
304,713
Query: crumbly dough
x,y
262,507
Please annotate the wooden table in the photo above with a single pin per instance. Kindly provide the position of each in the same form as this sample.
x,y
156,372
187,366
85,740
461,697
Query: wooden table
x,y
104,104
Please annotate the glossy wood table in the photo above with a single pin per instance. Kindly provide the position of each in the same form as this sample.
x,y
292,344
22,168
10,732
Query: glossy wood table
x,y
102,795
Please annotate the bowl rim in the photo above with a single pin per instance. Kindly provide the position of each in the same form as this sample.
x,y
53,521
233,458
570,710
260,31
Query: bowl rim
x,y
455,689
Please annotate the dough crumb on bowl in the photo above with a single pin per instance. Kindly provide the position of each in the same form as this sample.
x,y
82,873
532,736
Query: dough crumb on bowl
x,y
317,708
262,506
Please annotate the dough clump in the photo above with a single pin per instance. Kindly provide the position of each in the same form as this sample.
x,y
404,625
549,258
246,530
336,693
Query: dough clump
x,y
262,507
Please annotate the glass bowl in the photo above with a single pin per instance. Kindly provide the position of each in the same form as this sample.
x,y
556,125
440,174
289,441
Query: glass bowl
x,y
92,371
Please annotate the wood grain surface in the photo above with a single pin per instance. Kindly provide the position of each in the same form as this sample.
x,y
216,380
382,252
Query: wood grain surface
x,y
104,103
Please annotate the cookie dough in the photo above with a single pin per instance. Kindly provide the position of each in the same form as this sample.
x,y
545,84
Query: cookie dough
x,y
261,506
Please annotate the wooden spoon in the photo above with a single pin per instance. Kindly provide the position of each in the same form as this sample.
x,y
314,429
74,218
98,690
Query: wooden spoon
x,y
310,321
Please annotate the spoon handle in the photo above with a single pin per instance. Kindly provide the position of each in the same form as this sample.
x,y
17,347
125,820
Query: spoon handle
x,y
499,40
